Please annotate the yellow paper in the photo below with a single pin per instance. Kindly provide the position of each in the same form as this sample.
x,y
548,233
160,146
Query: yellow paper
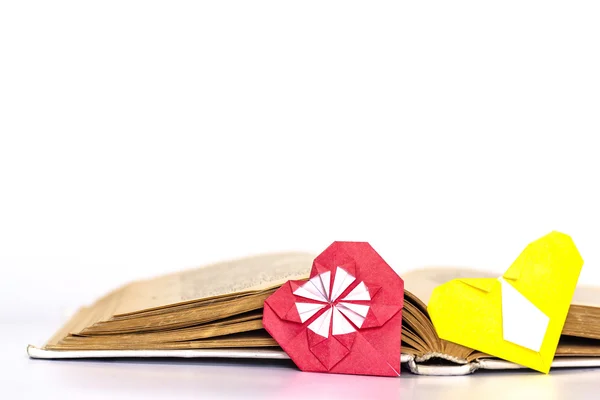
x,y
470,311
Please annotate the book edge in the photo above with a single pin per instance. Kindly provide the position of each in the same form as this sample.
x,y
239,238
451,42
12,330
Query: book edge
x,y
410,361
35,352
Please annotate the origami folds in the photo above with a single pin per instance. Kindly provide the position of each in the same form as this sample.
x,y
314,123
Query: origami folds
x,y
346,318
519,316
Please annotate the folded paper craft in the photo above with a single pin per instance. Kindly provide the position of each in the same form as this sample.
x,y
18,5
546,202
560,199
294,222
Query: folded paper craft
x,y
518,317
346,318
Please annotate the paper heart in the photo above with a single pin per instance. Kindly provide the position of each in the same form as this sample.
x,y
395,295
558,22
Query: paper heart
x,y
346,318
518,317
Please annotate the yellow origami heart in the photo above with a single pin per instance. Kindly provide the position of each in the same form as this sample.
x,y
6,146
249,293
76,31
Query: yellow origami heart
x,y
518,317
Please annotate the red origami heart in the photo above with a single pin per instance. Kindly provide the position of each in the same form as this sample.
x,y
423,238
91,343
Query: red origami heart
x,y
347,318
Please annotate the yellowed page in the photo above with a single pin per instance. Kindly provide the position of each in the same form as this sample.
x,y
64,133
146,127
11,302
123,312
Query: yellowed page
x,y
421,283
236,276
249,274
587,296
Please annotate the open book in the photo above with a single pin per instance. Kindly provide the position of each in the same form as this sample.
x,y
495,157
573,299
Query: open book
x,y
216,311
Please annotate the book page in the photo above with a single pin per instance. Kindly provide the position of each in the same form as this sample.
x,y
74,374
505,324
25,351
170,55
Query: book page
x,y
227,278
216,280
421,283
587,296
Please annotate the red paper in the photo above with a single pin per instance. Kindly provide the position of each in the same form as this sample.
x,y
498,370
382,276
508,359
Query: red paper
x,y
346,319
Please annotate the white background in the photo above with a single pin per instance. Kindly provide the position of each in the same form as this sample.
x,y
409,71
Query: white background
x,y
145,137
138,138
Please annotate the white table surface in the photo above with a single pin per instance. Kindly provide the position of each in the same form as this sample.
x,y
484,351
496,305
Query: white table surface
x,y
22,377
